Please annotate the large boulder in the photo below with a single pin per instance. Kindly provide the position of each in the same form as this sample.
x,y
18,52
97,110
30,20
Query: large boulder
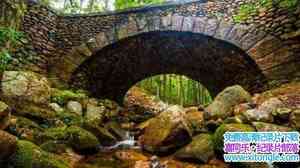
x,y
8,145
76,137
162,132
23,85
28,155
34,111
5,113
223,105
265,111
221,130
201,148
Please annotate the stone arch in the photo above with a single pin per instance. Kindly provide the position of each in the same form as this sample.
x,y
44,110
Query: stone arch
x,y
271,55
110,72
246,37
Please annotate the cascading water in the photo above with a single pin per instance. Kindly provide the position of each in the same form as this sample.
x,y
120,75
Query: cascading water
x,y
128,143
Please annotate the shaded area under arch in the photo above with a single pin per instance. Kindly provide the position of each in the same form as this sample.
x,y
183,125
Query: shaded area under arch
x,y
110,72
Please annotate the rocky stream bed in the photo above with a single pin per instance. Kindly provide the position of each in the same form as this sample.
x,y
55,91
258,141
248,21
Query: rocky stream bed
x,y
45,127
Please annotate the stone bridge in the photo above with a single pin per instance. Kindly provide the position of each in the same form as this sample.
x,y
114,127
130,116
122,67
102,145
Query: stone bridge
x,y
108,53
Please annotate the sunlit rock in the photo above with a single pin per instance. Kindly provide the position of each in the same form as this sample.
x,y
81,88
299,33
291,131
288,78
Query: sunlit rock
x,y
165,132
22,85
74,107
264,111
94,112
56,107
223,104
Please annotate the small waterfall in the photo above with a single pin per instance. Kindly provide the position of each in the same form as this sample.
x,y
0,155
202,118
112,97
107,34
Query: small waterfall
x,y
128,143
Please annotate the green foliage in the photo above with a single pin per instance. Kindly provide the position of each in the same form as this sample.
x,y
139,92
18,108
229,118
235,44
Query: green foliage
x,y
91,6
247,10
244,12
78,6
176,89
123,4
5,59
289,4
10,35
9,40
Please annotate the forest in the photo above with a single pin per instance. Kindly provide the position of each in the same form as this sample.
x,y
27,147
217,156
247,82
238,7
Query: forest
x,y
91,6
176,89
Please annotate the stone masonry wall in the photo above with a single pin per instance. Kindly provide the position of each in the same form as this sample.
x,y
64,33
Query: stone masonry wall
x,y
39,48
55,36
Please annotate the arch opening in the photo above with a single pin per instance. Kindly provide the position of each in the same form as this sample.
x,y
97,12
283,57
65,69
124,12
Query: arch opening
x,y
170,89
113,70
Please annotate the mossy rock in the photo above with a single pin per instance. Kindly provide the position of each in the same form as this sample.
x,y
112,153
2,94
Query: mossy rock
x,y
264,127
29,155
201,148
162,132
37,112
25,128
54,147
61,97
221,130
69,118
104,136
116,129
76,137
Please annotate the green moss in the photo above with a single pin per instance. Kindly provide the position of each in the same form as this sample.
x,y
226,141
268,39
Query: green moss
x,y
244,12
288,4
247,10
22,125
76,137
54,147
63,96
221,130
34,111
69,118
28,155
